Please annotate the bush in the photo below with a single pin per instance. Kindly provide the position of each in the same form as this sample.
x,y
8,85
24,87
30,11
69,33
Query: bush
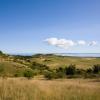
x,y
51,74
89,71
61,72
48,75
70,70
28,74
96,69
38,66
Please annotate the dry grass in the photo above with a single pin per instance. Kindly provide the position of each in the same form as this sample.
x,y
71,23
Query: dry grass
x,y
69,89
60,61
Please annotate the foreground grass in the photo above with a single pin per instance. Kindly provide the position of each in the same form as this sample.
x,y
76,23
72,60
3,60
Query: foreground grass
x,y
69,89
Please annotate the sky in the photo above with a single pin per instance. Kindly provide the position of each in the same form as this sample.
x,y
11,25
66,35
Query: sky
x,y
50,26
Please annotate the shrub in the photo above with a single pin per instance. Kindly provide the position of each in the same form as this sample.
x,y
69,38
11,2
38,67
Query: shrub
x,y
51,74
61,72
96,69
48,75
28,74
89,71
70,70
38,66
1,52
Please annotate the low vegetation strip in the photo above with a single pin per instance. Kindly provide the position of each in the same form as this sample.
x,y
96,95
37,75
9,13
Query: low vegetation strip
x,y
30,66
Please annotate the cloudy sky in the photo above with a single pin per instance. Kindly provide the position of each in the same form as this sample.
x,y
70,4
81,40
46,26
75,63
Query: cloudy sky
x,y
50,26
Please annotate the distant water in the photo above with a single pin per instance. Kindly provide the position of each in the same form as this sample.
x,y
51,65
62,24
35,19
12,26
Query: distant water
x,y
80,54
66,54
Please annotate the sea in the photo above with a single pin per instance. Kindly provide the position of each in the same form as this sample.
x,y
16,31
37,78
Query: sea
x,y
65,54
80,54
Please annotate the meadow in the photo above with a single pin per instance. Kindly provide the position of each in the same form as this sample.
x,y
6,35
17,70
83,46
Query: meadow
x,y
62,89
49,77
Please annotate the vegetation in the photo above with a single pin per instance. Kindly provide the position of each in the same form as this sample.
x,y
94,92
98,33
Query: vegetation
x,y
73,89
72,72
28,74
29,66
15,70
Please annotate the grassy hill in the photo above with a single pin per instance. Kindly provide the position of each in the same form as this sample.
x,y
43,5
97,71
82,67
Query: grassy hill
x,y
11,68
54,61
11,65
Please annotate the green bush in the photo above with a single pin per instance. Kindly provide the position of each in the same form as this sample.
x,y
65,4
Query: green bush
x,y
60,72
51,74
70,70
48,75
1,52
89,71
38,66
96,69
28,74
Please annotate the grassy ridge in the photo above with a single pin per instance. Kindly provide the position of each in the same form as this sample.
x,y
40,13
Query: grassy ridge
x,y
22,89
8,68
54,61
16,65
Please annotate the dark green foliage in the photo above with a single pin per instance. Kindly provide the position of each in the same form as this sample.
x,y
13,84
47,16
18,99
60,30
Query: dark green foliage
x,y
70,70
89,71
40,68
22,57
1,52
48,75
61,73
96,69
28,74
35,65
51,75
80,71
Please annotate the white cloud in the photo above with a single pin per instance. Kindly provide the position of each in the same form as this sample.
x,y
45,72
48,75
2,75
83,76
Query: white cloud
x,y
65,43
62,43
52,41
81,42
92,43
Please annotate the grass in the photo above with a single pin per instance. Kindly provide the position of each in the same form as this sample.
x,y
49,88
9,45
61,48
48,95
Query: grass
x,y
59,61
9,68
69,89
